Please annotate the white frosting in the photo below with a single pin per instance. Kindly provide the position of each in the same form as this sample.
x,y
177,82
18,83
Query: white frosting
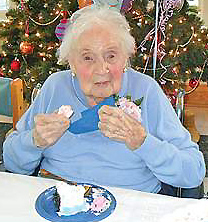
x,y
66,110
71,198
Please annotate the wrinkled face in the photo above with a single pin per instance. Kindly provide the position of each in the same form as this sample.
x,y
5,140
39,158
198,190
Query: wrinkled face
x,y
99,62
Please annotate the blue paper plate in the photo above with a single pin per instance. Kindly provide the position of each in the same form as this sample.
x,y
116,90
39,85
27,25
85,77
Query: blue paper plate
x,y
46,208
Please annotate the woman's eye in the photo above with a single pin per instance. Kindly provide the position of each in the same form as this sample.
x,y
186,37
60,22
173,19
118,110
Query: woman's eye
x,y
88,58
111,57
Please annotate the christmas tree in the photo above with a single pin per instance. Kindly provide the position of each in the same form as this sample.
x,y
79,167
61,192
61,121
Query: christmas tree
x,y
182,42
34,29
32,35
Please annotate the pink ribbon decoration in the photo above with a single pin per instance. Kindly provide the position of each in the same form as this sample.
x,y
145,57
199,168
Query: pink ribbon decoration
x,y
22,6
166,12
126,5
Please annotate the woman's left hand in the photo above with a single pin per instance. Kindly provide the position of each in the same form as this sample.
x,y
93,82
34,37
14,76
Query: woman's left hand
x,y
116,124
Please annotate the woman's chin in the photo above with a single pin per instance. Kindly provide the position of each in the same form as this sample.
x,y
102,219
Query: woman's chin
x,y
102,93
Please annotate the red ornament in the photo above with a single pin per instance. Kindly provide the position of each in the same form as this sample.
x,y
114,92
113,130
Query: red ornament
x,y
206,46
15,65
173,100
26,47
1,72
64,14
193,83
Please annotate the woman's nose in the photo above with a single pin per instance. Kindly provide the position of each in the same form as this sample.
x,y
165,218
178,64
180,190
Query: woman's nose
x,y
102,67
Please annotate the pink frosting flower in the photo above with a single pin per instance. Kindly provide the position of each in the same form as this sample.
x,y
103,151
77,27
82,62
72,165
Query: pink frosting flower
x,y
130,108
66,110
99,204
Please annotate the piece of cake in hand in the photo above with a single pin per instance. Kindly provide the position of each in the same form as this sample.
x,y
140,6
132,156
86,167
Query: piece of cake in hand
x,y
66,110
70,199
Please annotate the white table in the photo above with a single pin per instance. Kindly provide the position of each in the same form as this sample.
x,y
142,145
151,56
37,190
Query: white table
x,y
18,194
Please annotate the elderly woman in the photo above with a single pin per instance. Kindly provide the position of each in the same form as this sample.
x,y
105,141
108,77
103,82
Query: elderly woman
x,y
101,143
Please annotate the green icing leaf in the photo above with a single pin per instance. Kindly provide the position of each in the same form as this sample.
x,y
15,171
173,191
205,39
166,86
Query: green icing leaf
x,y
139,101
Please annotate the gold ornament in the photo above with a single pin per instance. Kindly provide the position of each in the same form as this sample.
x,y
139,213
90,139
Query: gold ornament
x,y
26,47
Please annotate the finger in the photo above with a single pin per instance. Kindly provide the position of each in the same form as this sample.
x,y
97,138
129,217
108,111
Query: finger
x,y
49,128
113,114
112,111
119,121
51,135
43,119
115,136
52,127
106,128
106,109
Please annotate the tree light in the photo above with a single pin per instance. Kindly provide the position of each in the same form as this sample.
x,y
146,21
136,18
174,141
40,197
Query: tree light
x,y
41,54
171,52
145,57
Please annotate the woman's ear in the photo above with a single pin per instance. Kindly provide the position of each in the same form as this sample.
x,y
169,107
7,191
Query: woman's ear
x,y
127,65
73,69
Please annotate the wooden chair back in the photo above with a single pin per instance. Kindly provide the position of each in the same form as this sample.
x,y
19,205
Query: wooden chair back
x,y
17,102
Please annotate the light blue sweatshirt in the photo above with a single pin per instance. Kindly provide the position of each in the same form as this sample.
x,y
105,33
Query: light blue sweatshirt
x,y
167,155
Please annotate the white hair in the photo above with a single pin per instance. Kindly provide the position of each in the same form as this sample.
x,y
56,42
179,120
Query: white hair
x,y
86,18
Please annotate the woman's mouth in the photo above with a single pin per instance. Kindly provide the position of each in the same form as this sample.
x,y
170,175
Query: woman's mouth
x,y
102,84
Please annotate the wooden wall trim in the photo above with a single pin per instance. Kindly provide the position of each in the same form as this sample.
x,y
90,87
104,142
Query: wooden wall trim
x,y
198,98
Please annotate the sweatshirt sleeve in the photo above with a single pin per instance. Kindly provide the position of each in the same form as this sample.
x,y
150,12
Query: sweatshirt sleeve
x,y
168,150
19,152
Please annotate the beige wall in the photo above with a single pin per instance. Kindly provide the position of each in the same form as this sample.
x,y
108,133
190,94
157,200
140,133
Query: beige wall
x,y
203,6
2,15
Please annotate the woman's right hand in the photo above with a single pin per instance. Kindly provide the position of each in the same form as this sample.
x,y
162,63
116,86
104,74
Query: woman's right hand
x,y
49,128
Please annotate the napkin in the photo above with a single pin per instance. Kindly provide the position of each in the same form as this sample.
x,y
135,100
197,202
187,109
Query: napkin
x,y
89,120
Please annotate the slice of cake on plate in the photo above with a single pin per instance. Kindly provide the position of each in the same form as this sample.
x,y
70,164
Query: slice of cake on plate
x,y
72,199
